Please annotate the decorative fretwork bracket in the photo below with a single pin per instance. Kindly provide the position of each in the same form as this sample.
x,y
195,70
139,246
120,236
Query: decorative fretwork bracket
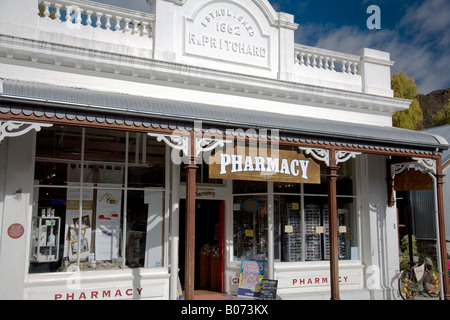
x,y
423,164
318,154
11,128
427,164
177,142
324,155
208,144
182,143
344,156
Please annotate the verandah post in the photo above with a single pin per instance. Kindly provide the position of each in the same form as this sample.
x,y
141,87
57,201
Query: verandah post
x,y
332,176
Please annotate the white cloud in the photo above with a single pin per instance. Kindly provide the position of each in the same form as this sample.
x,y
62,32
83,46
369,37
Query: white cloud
x,y
419,44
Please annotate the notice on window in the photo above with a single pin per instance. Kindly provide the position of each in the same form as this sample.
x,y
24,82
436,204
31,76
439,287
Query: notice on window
x,y
107,233
77,236
250,278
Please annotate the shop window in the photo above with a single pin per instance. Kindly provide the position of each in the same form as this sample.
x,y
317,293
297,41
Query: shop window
x,y
300,224
92,205
288,241
301,231
250,227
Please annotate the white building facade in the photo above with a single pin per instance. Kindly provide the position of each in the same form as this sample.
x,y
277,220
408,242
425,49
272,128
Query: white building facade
x,y
109,118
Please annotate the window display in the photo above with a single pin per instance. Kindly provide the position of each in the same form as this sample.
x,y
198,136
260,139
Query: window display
x,y
313,219
101,197
301,222
250,227
313,232
45,231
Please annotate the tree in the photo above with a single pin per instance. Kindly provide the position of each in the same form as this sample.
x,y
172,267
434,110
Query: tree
x,y
406,88
442,117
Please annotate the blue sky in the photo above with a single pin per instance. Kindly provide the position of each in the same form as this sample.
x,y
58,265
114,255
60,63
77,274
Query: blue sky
x,y
415,32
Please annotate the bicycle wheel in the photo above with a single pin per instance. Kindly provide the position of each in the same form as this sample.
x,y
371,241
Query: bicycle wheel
x,y
406,285
432,283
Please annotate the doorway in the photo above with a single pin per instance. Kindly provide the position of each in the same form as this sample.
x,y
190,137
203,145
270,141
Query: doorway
x,y
209,244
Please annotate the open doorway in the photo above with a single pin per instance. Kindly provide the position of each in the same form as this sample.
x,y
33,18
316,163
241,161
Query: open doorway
x,y
209,244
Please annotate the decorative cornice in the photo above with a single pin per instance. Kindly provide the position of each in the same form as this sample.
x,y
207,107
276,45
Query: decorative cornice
x,y
193,76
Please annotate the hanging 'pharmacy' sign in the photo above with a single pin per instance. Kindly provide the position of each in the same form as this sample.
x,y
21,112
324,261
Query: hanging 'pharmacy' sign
x,y
255,164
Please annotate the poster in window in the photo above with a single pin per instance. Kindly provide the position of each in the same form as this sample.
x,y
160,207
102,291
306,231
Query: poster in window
x,y
250,278
107,232
72,232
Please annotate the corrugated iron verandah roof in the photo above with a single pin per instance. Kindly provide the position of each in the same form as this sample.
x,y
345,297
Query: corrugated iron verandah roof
x,y
48,102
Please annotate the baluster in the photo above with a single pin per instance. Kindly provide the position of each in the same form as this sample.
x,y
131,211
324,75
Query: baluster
x,y
321,62
46,10
108,21
344,66
355,68
302,58
332,64
117,26
89,18
78,15
127,25
58,11
135,27
68,13
296,57
351,69
145,27
314,64
327,63
98,23
308,59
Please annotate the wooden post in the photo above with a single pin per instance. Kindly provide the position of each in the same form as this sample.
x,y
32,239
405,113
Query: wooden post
x,y
332,176
189,272
390,184
443,253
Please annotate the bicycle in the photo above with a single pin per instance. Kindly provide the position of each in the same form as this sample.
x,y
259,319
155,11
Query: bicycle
x,y
419,279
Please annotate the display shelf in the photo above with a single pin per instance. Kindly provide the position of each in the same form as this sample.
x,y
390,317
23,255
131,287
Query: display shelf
x,y
292,238
45,239
312,238
343,246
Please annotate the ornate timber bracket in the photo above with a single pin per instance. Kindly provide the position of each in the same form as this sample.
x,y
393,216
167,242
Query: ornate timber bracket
x,y
182,143
424,164
324,155
11,128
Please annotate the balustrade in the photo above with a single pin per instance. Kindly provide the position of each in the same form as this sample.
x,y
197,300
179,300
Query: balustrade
x,y
326,60
98,15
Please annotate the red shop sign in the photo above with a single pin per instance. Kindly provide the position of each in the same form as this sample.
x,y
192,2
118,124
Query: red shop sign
x,y
16,230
